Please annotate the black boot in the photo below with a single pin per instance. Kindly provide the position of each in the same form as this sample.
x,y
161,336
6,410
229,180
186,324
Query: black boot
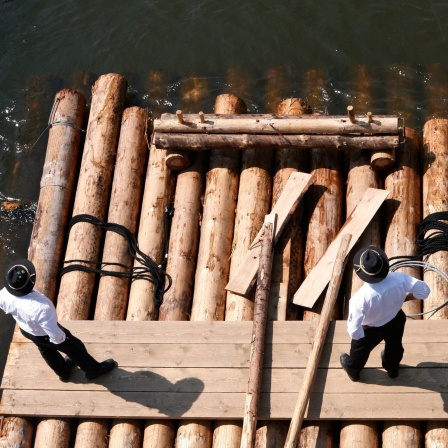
x,y
352,373
393,373
68,368
105,367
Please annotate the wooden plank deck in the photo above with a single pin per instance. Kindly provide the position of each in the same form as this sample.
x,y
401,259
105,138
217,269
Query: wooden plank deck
x,y
200,370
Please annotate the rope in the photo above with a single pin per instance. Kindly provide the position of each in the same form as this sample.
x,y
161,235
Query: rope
x,y
148,270
427,245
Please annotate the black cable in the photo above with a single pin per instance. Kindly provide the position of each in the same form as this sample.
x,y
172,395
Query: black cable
x,y
148,270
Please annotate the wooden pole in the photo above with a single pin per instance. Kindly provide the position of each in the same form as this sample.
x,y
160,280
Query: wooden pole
x,y
157,196
184,242
258,333
318,344
266,124
124,209
404,208
92,193
287,269
435,185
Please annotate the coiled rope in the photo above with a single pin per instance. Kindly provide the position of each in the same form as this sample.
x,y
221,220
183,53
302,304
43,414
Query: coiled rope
x,y
148,270
427,244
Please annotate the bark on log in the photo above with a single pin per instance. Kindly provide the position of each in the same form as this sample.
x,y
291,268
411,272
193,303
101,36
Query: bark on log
x,y
273,124
404,208
325,201
124,209
218,220
317,434
126,433
56,190
361,176
53,433
194,434
435,186
159,188
92,434
200,142
359,434
159,433
287,270
436,434
406,434
184,242
92,193
258,333
16,432
254,200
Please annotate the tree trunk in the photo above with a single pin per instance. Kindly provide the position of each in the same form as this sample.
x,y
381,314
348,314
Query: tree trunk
x,y
406,434
126,433
184,242
404,208
435,185
436,434
92,434
287,270
317,434
52,433
359,434
227,434
127,188
159,434
194,434
159,188
17,432
92,194
56,190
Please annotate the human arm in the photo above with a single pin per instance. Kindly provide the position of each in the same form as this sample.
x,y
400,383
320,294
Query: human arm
x,y
417,289
355,319
48,321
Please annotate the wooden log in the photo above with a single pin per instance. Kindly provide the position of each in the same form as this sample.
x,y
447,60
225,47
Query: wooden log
x,y
92,433
157,196
156,88
82,82
273,124
435,184
240,82
184,242
360,177
53,433
124,208
287,270
404,208
57,189
325,200
436,434
217,226
227,433
318,343
406,434
317,434
159,433
435,91
359,433
177,160
271,433
254,200
126,433
92,193
16,432
258,333
277,88
201,142
194,91
194,434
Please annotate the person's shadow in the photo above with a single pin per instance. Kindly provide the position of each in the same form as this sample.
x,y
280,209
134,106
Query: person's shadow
x,y
148,389
431,376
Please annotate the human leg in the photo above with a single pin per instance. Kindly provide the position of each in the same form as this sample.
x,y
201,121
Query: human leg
x,y
393,350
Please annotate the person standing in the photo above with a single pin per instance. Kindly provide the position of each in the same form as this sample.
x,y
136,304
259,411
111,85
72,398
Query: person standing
x,y
36,317
375,313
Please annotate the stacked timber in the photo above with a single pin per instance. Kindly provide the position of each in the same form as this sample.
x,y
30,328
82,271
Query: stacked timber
x,y
232,197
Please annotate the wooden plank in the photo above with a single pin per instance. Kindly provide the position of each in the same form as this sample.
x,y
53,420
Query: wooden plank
x,y
274,124
317,280
215,332
424,405
294,190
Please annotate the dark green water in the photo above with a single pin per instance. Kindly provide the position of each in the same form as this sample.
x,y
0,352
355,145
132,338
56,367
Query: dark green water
x,y
46,45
